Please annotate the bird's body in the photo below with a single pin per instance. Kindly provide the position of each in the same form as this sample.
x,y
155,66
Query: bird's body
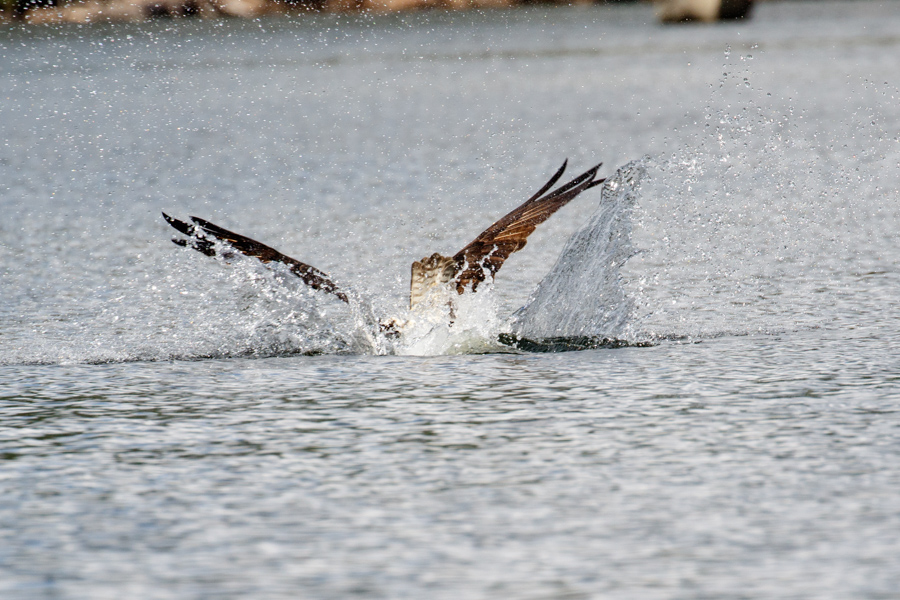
x,y
433,277
430,273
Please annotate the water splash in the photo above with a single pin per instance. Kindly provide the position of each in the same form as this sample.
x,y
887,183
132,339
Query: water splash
x,y
472,326
747,226
581,303
189,309
583,295
183,308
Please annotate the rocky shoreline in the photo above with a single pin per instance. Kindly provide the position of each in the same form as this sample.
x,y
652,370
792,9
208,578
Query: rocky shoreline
x,y
93,11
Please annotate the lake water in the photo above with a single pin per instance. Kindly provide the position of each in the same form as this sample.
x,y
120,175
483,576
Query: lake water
x,y
174,427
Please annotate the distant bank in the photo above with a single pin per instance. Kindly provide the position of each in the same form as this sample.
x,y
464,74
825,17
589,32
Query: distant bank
x,y
87,11
90,11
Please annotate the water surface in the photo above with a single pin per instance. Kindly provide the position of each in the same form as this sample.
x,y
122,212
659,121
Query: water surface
x,y
163,435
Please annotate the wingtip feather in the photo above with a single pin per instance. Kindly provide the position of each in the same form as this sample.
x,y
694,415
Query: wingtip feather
x,y
180,226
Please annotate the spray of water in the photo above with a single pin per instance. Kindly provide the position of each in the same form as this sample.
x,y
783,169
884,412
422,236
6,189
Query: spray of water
x,y
746,226
466,324
190,309
583,296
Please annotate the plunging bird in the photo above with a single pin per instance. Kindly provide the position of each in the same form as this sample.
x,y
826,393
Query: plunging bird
x,y
433,276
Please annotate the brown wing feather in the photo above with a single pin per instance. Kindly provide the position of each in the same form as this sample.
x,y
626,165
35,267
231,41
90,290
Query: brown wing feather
x,y
485,255
200,231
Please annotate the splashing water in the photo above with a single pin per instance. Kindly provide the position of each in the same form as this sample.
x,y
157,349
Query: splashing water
x,y
583,296
744,228
749,224
188,308
472,328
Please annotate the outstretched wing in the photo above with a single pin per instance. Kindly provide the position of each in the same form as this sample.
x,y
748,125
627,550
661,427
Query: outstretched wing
x,y
203,236
487,253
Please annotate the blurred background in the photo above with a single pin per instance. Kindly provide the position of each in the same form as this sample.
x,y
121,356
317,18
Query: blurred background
x,y
82,11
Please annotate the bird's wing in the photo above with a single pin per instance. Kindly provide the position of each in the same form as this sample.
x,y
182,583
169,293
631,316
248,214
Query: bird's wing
x,y
203,236
486,254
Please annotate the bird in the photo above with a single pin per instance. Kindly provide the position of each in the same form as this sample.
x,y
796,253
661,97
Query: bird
x,y
476,263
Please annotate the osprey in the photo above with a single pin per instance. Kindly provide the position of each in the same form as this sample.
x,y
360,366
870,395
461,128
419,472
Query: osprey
x,y
465,270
